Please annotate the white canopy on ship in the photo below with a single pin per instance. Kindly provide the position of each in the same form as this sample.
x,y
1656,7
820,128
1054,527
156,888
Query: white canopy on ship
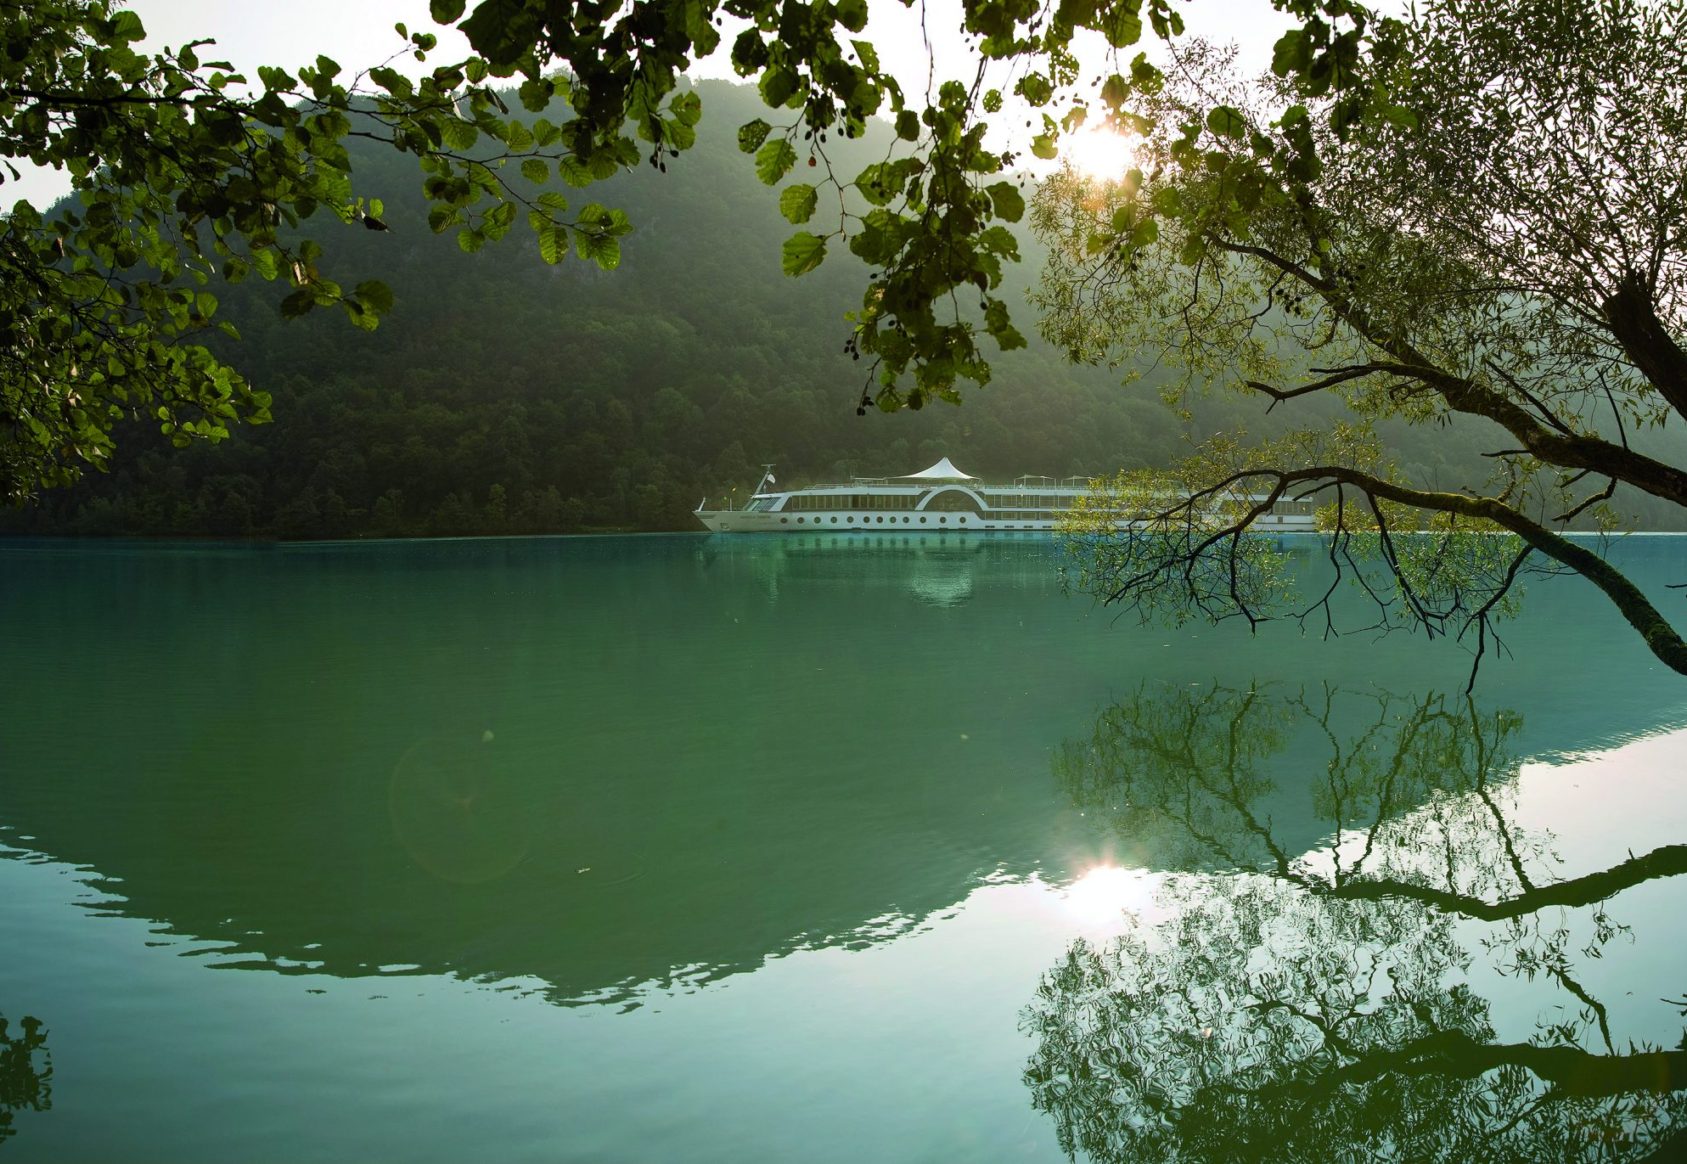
x,y
944,470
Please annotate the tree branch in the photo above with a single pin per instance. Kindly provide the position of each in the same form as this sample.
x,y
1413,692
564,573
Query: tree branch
x,y
1667,861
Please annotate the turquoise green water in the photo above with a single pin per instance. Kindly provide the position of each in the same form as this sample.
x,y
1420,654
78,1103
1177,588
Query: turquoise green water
x,y
769,848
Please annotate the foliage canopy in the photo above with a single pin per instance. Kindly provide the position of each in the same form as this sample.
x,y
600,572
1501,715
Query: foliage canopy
x,y
184,170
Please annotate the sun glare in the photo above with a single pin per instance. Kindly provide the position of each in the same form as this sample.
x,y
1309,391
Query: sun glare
x,y
1106,891
1100,153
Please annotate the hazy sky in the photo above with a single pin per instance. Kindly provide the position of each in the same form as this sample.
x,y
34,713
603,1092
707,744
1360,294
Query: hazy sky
x,y
359,33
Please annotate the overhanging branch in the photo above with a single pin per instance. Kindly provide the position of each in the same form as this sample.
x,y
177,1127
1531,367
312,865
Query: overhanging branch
x,y
1660,636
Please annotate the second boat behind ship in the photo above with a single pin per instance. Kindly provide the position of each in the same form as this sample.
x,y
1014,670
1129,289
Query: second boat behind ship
x,y
939,498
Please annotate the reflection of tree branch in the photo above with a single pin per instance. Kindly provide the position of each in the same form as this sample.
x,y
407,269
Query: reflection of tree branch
x,y
1326,1008
1454,1054
1666,861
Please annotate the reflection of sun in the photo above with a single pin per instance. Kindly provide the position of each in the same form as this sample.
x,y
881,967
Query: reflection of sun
x,y
1106,891
1099,153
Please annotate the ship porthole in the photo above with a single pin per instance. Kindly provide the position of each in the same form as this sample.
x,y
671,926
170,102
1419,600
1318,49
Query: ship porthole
x,y
881,521
799,521
922,520
784,521
834,521
942,521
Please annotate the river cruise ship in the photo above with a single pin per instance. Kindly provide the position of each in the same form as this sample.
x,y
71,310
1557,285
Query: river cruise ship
x,y
941,498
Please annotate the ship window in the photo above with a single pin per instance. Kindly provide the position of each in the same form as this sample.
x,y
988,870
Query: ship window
x,y
963,521
922,519
942,521
904,521
784,521
834,521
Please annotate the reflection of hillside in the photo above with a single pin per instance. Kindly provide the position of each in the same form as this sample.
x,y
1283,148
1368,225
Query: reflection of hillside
x,y
506,860
290,755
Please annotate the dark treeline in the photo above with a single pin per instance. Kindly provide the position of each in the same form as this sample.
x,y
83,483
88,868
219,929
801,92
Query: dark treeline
x,y
506,396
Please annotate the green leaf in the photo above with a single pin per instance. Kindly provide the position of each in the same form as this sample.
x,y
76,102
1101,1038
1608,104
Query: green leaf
x,y
778,85
774,160
1043,146
999,240
1400,117
604,250
797,203
1123,25
375,294
1035,88
364,319
1227,121
298,303
687,108
535,170
803,252
458,134
126,26
1167,200
751,134
553,245
1007,201
1292,53
445,11
574,172
996,322
852,14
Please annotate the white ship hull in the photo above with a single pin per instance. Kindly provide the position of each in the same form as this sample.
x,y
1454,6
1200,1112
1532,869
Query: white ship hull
x,y
847,522
941,499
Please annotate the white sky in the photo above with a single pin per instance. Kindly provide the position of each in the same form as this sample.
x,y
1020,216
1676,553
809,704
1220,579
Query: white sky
x,y
359,33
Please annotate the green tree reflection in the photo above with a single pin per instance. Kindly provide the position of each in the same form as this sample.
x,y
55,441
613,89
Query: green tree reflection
x,y
1314,1002
26,1072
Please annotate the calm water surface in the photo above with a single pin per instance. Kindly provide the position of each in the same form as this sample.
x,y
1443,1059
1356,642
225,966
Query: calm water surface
x,y
806,848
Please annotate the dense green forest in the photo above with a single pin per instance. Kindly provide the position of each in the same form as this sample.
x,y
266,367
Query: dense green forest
x,y
503,395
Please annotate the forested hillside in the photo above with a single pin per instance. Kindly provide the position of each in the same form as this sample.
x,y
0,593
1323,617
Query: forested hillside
x,y
503,395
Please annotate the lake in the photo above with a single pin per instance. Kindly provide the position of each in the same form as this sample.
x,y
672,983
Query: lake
x,y
825,848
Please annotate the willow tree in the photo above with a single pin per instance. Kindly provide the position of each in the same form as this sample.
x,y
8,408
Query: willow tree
x,y
1500,241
